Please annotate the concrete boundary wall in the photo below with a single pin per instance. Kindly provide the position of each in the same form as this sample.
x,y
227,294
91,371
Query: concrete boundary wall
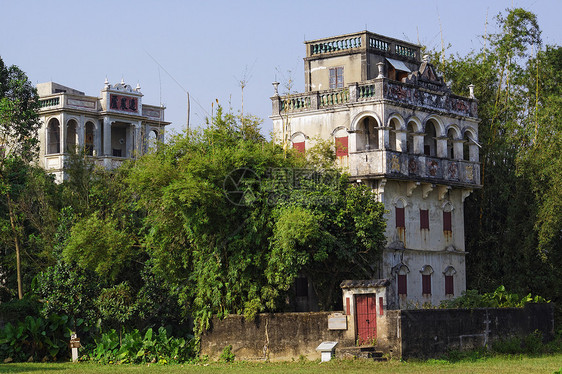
x,y
274,336
403,333
432,332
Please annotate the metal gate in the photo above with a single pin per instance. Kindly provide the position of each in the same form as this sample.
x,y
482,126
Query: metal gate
x,y
366,318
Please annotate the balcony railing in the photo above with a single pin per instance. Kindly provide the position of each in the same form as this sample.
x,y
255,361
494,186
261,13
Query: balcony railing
x,y
49,102
418,167
378,89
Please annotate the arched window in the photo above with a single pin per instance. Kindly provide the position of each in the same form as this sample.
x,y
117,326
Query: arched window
x,y
402,280
89,140
152,139
470,150
426,272
451,136
449,274
299,142
53,136
369,134
410,137
393,141
71,135
430,139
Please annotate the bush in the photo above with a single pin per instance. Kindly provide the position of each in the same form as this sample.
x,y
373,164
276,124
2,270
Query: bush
x,y
138,348
16,310
227,355
500,298
36,338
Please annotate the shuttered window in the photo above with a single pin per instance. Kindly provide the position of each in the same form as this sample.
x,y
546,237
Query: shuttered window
x,y
424,219
336,77
341,146
447,224
402,285
449,289
299,146
426,284
400,221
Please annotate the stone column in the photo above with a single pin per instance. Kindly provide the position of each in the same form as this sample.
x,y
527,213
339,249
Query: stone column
x,y
97,139
384,138
129,141
473,152
63,133
80,129
441,150
401,140
457,149
418,143
107,136
138,149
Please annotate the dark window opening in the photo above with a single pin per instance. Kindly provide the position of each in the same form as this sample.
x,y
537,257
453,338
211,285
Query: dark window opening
x,y
426,284
449,289
424,219
447,222
427,150
400,219
336,77
116,152
402,284
301,287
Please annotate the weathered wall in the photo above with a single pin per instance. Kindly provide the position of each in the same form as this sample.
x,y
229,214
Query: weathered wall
x,y
432,332
279,336
401,333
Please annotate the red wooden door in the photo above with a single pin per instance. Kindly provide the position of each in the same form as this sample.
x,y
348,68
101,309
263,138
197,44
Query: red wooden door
x,y
366,318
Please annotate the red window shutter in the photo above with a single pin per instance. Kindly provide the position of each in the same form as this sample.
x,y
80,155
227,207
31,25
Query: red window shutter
x,y
449,289
424,219
400,221
447,224
347,306
299,147
426,284
341,146
402,285
381,312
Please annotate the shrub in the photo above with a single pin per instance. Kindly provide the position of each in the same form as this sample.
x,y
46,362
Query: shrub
x,y
140,348
36,338
227,355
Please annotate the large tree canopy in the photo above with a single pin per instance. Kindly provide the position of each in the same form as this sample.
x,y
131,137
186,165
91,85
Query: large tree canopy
x,y
19,125
514,222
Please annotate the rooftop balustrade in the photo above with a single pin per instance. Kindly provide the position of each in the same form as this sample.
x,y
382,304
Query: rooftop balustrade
x,y
62,101
363,41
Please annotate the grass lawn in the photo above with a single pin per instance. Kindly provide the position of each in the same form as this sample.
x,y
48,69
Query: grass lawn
x,y
495,365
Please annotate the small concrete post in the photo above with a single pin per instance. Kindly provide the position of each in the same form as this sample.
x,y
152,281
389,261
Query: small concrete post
x,y
382,73
74,345
471,91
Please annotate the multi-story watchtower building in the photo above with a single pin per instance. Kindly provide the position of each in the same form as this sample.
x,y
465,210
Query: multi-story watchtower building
x,y
396,127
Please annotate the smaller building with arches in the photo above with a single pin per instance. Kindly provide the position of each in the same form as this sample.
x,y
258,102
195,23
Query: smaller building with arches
x,y
396,127
109,129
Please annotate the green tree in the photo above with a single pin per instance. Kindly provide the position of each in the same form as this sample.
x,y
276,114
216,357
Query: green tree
x,y
18,141
514,220
229,230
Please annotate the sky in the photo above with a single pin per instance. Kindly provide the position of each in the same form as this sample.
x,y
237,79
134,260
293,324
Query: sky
x,y
207,47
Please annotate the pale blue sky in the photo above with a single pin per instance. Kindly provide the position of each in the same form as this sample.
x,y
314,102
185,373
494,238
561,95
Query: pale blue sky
x,y
208,46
